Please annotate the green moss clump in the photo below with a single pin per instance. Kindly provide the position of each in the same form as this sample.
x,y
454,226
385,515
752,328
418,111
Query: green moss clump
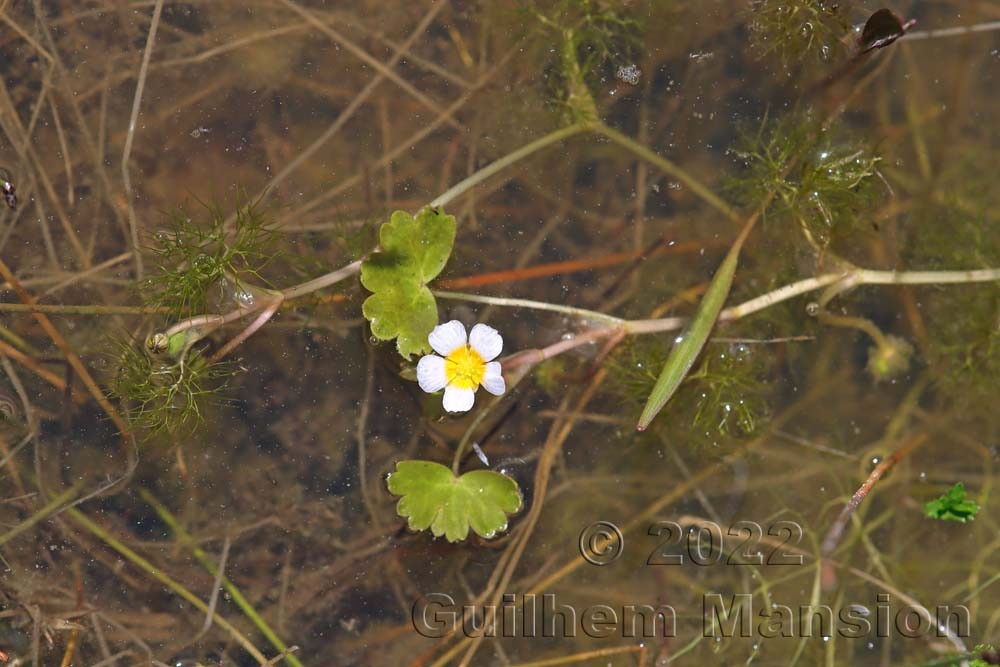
x,y
987,655
593,35
193,256
799,31
725,396
828,184
164,394
963,322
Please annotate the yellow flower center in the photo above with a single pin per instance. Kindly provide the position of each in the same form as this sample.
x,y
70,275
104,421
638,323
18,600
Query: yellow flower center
x,y
464,368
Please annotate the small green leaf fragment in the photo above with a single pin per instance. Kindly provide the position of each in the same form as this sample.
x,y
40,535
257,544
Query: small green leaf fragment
x,y
952,506
433,497
413,251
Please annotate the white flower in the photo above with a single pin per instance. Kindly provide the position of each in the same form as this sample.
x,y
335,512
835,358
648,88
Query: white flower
x,y
463,364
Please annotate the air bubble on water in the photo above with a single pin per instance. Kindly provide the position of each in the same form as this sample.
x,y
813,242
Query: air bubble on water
x,y
629,74
243,297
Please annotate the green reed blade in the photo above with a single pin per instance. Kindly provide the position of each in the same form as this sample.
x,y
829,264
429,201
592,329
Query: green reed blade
x,y
684,353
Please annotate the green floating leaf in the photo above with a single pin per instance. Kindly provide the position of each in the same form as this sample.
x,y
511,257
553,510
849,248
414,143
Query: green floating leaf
x,y
433,497
952,506
413,251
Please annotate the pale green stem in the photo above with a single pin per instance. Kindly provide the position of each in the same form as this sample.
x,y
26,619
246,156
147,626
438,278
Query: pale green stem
x,y
213,321
846,279
869,277
668,167
51,508
322,282
496,167
456,461
859,323
260,321
78,309
206,562
532,357
164,579
582,313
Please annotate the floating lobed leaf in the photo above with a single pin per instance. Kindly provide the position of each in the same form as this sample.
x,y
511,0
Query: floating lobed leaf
x,y
433,497
413,251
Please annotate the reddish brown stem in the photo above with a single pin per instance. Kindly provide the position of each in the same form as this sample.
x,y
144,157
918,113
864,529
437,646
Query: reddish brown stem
x,y
833,535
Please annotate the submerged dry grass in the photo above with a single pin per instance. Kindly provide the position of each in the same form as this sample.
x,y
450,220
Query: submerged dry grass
x,y
115,548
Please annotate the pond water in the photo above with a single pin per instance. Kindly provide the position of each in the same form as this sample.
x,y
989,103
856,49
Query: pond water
x,y
200,419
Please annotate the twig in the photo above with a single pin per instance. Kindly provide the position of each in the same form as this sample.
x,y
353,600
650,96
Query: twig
x,y
238,598
499,165
361,433
365,57
837,528
581,313
130,136
356,102
32,365
914,35
71,357
155,572
69,309
665,165
52,507
216,587
260,321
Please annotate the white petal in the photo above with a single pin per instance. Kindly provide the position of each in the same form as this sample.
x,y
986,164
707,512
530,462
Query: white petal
x,y
447,337
431,375
486,341
457,399
493,379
